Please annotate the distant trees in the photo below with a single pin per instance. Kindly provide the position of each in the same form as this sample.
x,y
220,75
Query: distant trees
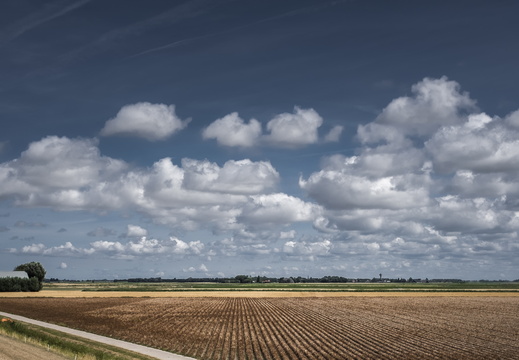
x,y
243,279
33,282
34,270
334,279
13,284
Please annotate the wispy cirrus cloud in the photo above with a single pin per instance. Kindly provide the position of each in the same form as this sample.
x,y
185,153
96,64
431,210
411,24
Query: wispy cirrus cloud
x,y
48,12
117,35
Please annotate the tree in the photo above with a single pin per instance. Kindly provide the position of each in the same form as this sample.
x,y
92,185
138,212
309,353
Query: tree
x,y
34,270
241,278
34,284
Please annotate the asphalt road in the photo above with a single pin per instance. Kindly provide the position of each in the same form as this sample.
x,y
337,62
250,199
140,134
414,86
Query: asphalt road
x,y
159,354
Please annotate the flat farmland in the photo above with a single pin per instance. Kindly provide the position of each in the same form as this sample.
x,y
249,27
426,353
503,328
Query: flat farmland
x,y
347,327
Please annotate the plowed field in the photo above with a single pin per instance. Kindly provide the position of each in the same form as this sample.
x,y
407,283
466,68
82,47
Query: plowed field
x,y
296,328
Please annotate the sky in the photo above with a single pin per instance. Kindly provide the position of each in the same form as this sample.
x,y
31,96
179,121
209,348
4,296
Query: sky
x,y
201,138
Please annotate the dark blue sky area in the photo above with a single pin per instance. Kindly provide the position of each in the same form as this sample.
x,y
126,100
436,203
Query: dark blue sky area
x,y
67,72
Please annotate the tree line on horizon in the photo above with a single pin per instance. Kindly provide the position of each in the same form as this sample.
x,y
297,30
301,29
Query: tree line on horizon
x,y
34,282
246,279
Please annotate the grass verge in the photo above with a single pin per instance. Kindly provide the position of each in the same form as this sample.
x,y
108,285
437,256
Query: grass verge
x,y
65,344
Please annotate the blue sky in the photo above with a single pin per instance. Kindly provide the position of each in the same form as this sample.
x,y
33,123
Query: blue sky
x,y
277,138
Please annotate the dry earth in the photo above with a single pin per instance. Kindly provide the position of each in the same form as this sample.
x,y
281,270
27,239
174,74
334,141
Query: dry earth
x,y
378,326
12,349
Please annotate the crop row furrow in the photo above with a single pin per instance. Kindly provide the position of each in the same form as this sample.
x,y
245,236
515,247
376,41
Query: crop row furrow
x,y
252,349
283,339
472,328
365,334
205,328
326,339
440,331
429,339
172,325
461,337
296,328
368,331
263,337
472,336
303,346
222,326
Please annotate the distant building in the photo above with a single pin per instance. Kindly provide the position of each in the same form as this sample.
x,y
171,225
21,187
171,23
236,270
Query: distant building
x,y
14,274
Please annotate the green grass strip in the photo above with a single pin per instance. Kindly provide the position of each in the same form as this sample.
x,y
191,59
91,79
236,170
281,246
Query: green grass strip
x,y
66,344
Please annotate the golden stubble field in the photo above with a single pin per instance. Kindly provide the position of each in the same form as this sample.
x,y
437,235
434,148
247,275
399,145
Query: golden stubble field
x,y
292,325
249,294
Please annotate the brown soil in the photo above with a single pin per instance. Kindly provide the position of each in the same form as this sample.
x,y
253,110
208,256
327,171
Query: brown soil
x,y
378,327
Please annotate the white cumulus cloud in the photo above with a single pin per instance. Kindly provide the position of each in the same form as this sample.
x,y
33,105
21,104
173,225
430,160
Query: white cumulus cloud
x,y
279,208
481,144
135,231
238,177
149,121
142,247
59,172
294,130
307,248
436,103
286,130
231,130
342,186
433,176
71,174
